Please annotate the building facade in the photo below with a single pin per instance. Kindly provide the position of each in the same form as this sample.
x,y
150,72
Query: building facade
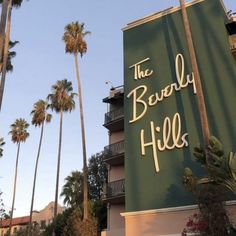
x,y
114,190
44,217
18,223
161,119
40,218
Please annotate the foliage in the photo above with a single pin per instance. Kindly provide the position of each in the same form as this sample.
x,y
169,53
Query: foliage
x,y
72,190
74,38
40,113
210,191
70,223
15,3
11,55
62,97
196,224
97,175
19,131
99,211
2,143
24,231
75,226
58,224
211,202
222,169
3,214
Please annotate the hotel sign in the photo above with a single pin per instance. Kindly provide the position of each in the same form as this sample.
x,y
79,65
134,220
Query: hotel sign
x,y
161,117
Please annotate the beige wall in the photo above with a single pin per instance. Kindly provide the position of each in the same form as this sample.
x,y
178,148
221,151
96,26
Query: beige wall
x,y
46,214
14,228
116,173
169,222
115,232
117,137
116,223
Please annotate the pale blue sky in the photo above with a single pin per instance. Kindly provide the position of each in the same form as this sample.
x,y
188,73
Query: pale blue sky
x,y
40,62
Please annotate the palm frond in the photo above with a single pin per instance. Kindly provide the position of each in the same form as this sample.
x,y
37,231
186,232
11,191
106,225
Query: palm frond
x,y
2,143
40,114
62,96
73,37
19,131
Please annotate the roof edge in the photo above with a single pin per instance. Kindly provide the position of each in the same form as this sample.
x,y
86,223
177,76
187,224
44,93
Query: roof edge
x,y
157,15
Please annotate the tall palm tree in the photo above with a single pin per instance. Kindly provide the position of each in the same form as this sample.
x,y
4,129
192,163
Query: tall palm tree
x,y
4,45
5,51
18,134
40,116
74,43
5,8
3,26
200,95
2,143
61,100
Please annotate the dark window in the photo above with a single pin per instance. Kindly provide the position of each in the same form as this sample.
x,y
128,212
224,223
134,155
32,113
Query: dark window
x,y
42,224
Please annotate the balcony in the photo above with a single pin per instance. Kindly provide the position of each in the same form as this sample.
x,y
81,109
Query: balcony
x,y
114,154
114,192
114,120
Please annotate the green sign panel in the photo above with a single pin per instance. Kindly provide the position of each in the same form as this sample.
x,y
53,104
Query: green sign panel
x,y
162,123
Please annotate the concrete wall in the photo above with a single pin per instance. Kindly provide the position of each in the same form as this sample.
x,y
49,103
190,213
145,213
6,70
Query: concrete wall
x,y
116,173
163,222
116,223
117,137
115,232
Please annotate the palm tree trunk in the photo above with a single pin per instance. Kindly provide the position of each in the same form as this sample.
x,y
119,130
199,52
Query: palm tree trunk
x,y
200,95
85,168
14,188
2,29
58,169
5,54
34,183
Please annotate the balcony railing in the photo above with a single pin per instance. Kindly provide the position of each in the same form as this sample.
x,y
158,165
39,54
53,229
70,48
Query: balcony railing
x,y
114,115
114,189
114,149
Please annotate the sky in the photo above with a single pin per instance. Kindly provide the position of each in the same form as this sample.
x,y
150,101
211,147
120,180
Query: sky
x,y
40,62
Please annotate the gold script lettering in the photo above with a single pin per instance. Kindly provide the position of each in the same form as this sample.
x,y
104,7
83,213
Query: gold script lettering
x,y
137,94
138,72
171,138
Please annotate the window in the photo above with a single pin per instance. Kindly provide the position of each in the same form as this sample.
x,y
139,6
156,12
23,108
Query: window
x,y
43,224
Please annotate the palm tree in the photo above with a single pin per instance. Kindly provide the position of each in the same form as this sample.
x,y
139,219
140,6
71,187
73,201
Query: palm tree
x,y
3,26
4,42
18,134
6,67
2,143
73,189
5,51
74,43
200,95
40,116
61,100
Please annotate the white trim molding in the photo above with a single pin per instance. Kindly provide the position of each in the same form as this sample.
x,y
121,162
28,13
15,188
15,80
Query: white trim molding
x,y
170,209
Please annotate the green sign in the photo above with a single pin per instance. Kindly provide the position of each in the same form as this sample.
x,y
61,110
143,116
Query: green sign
x,y
162,123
